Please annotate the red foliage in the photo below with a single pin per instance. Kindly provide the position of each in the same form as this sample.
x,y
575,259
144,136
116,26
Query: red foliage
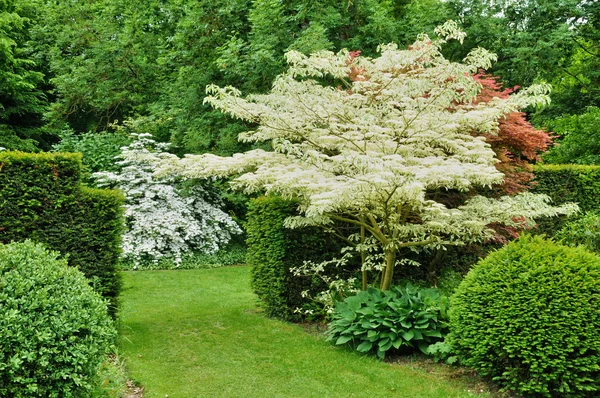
x,y
517,143
356,73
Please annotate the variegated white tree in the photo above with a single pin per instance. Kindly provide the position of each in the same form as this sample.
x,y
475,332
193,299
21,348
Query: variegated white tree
x,y
366,141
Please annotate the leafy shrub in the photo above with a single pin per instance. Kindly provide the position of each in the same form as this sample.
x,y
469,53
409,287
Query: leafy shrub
x,y
570,183
111,379
402,318
567,183
582,231
580,138
42,199
54,329
274,250
99,149
163,218
528,316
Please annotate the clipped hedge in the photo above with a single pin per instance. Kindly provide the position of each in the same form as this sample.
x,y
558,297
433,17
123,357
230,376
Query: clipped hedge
x,y
273,250
567,183
41,198
570,183
528,316
54,329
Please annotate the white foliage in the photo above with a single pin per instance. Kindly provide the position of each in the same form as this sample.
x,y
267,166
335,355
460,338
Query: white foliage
x,y
161,222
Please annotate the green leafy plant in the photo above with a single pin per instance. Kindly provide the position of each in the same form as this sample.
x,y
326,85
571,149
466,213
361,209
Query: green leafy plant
x,y
582,231
99,150
54,329
567,183
111,379
570,183
579,141
402,318
527,316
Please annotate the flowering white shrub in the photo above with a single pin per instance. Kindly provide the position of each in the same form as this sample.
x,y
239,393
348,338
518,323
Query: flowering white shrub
x,y
163,219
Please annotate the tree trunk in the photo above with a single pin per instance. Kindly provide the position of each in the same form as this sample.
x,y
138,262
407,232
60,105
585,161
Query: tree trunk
x,y
388,272
362,259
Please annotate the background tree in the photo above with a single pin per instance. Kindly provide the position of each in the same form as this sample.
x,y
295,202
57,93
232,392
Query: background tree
x,y
580,138
113,60
539,40
22,100
369,149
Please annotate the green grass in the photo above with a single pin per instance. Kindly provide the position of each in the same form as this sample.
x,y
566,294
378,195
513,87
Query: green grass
x,y
198,333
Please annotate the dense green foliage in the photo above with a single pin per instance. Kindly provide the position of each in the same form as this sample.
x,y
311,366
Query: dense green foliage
x,y
567,183
584,230
54,329
580,138
99,150
402,318
570,183
527,316
273,250
84,65
552,40
22,100
113,59
41,199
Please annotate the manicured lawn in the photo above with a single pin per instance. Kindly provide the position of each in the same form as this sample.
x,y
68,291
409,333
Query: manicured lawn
x,y
198,333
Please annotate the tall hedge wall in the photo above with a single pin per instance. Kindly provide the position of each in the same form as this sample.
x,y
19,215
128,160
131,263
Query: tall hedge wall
x,y
41,199
273,250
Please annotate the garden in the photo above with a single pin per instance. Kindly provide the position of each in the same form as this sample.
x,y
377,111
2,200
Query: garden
x,y
263,198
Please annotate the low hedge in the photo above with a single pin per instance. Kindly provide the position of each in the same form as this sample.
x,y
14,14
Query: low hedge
x,y
528,316
42,199
273,250
54,329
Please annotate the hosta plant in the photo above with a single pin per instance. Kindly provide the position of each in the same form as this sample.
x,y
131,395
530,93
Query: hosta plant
x,y
402,319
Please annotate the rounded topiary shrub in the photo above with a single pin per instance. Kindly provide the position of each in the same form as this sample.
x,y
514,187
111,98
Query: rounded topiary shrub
x,y
54,329
528,316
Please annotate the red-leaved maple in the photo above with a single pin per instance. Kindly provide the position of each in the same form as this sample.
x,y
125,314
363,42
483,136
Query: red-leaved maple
x,y
517,143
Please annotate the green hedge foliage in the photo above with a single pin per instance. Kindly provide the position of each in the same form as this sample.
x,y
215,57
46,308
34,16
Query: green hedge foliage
x,y
570,183
54,329
403,318
41,199
273,250
567,183
528,316
584,230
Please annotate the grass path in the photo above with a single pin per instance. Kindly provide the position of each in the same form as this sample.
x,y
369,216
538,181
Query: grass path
x,y
198,333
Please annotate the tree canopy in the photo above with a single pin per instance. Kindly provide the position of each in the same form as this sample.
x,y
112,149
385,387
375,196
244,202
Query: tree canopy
x,y
22,100
368,141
